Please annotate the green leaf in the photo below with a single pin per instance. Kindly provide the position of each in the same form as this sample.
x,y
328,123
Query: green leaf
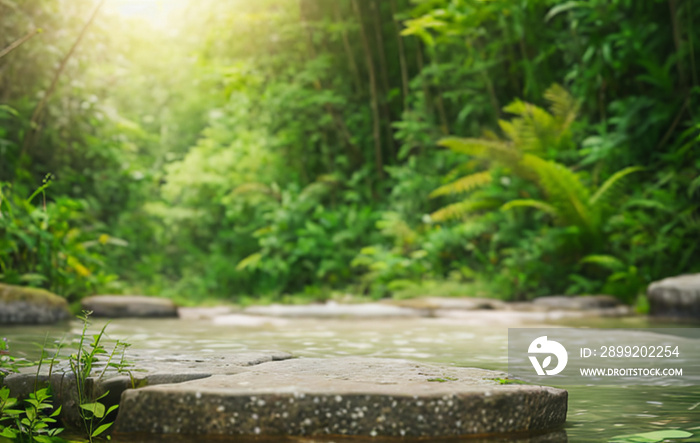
x,y
602,195
100,429
537,204
562,8
96,409
606,261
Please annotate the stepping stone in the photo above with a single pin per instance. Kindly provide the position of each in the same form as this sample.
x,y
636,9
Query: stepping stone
x,y
575,302
675,297
151,368
114,306
449,303
335,310
20,305
343,396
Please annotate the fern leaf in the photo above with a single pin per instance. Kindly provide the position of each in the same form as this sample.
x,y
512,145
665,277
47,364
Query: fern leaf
x,y
464,184
564,191
474,146
461,209
563,105
537,204
249,262
606,261
604,194
536,130
646,203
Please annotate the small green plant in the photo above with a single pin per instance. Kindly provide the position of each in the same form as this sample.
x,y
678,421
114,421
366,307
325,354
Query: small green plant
x,y
442,379
36,422
82,364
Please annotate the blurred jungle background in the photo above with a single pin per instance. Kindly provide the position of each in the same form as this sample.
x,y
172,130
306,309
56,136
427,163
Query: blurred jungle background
x,y
301,149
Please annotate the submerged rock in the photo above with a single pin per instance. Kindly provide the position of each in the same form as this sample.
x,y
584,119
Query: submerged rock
x,y
675,297
114,306
343,396
21,306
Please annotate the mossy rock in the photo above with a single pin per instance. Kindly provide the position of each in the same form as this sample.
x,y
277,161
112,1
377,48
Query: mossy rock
x,y
20,305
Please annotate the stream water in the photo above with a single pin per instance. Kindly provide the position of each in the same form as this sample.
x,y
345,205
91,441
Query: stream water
x,y
596,413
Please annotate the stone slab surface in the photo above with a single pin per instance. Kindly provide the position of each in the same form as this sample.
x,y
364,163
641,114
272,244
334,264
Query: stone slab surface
x,y
20,305
343,396
153,368
331,310
114,306
675,297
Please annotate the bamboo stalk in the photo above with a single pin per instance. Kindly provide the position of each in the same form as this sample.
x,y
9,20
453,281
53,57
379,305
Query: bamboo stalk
x,y
402,55
377,12
373,95
677,41
348,48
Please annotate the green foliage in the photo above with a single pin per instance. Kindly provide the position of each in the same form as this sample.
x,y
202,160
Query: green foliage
x,y
270,145
44,246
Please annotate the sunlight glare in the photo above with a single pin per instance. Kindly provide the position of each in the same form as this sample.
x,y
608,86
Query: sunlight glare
x,y
155,12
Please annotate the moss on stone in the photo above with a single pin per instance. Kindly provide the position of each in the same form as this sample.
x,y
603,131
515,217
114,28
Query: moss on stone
x,y
35,296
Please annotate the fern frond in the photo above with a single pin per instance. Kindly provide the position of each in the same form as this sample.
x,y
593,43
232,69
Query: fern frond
x,y
461,209
646,203
464,184
606,261
563,105
537,204
250,261
474,146
564,191
605,194
535,131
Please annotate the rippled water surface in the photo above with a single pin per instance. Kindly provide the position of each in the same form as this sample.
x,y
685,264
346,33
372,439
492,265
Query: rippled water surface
x,y
596,413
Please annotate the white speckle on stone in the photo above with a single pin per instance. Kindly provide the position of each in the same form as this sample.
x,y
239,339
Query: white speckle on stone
x,y
257,430
338,398
254,416
198,395
261,402
220,408
307,422
373,433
